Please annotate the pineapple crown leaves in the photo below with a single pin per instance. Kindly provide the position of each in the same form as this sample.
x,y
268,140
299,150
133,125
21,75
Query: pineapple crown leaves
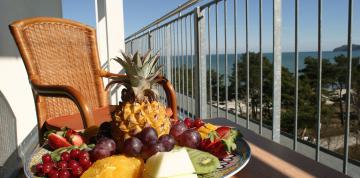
x,y
141,73
140,67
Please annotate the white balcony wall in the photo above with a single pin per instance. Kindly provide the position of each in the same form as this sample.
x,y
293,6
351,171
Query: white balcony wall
x,y
110,36
13,77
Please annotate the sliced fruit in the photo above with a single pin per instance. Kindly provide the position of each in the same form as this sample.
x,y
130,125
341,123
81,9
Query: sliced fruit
x,y
223,131
210,126
169,164
69,133
203,162
206,129
56,141
220,143
76,140
116,166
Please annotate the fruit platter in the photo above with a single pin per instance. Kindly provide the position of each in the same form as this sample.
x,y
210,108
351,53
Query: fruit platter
x,y
142,140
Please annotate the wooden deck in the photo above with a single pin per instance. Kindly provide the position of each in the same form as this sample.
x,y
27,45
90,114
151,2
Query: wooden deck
x,y
270,159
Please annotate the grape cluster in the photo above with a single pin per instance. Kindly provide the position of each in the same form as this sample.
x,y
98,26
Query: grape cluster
x,y
146,143
185,136
105,147
71,164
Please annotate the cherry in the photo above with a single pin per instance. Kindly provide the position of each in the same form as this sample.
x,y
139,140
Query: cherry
x,y
83,155
39,168
46,158
62,165
65,156
85,163
77,171
64,174
73,163
188,122
74,153
198,122
53,173
47,167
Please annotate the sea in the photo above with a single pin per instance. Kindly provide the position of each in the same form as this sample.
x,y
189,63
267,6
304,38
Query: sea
x,y
287,58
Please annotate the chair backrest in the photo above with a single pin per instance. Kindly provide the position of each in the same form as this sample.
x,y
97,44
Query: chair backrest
x,y
57,51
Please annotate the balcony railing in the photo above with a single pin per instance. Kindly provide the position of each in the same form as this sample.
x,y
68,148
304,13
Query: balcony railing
x,y
193,41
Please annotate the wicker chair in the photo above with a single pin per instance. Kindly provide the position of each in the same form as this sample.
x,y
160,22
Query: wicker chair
x,y
61,59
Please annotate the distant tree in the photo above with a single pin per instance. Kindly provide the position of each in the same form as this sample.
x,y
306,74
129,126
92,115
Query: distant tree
x,y
214,76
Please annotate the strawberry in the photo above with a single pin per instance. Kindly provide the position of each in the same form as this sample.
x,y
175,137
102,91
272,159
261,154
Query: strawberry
x,y
198,123
56,141
69,133
76,140
220,142
223,131
219,150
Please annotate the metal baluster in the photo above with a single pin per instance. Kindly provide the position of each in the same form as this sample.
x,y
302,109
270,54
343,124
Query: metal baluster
x,y
348,89
236,63
217,60
187,68
173,52
209,53
200,59
261,67
247,64
226,63
177,61
318,98
192,68
296,74
182,68
277,70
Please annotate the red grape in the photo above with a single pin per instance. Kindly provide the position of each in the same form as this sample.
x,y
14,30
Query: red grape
x,y
73,163
83,155
39,168
106,144
190,138
177,130
65,156
99,153
132,146
148,136
62,165
74,153
64,174
53,173
168,141
149,150
46,158
47,167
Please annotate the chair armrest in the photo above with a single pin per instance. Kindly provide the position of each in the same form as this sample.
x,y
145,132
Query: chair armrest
x,y
72,93
110,75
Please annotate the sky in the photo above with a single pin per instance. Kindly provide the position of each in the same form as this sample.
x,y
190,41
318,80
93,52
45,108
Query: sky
x,y
139,13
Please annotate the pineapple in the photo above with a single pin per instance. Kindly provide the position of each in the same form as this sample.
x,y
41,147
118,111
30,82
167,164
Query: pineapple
x,y
139,107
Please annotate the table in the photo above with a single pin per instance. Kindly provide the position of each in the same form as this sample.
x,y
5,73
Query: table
x,y
270,159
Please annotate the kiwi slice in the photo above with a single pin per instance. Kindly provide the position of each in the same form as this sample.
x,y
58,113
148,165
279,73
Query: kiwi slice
x,y
203,162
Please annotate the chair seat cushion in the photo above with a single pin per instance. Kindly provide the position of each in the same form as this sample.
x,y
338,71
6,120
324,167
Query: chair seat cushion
x,y
75,122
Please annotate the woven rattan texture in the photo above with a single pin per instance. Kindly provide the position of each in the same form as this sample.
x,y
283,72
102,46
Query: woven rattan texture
x,y
62,56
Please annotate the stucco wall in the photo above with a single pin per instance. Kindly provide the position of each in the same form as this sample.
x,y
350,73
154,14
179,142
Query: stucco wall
x,y
13,77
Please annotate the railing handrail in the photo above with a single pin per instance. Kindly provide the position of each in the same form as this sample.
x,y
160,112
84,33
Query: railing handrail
x,y
166,16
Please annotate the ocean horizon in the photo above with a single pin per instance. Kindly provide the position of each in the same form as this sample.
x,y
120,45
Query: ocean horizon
x,y
287,58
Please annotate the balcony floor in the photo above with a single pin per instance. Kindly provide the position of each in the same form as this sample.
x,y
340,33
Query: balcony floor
x,y
270,159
